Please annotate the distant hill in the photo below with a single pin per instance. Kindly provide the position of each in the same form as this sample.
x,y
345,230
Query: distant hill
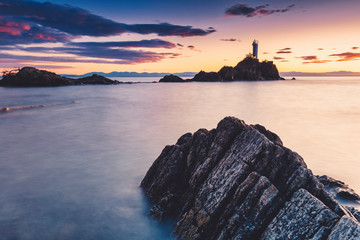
x,y
313,74
130,74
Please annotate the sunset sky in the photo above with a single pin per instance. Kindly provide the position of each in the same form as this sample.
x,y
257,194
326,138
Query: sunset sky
x,y
80,36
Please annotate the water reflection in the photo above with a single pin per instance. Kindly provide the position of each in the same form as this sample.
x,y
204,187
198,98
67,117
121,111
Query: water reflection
x,y
73,171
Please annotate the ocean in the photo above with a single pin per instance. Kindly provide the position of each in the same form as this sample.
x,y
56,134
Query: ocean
x,y
70,167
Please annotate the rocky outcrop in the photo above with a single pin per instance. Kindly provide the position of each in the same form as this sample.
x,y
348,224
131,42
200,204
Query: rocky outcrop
x,y
239,182
249,69
95,79
171,78
29,76
206,77
32,77
339,190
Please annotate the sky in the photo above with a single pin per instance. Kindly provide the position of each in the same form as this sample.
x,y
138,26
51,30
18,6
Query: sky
x,y
80,36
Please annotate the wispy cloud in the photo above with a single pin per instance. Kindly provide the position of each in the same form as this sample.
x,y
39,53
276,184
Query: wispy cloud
x,y
89,53
242,9
278,58
230,40
313,59
284,51
191,47
346,56
153,43
354,48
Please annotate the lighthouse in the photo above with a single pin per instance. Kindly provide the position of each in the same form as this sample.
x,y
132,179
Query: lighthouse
x,y
255,48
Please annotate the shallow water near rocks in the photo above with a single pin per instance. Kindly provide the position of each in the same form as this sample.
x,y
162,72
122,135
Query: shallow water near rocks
x,y
72,171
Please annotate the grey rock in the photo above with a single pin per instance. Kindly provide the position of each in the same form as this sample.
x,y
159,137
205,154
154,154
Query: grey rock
x,y
339,189
347,228
239,182
303,217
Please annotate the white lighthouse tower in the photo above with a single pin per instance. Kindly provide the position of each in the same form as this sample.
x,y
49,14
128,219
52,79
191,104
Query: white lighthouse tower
x,y
255,48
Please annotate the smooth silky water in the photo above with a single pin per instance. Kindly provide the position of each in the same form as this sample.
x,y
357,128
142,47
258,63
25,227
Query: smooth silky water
x,y
72,171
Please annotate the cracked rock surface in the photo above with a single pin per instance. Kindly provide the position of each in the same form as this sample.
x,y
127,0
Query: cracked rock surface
x,y
238,181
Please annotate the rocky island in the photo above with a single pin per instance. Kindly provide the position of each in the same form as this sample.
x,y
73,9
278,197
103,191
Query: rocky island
x,y
32,77
238,181
249,69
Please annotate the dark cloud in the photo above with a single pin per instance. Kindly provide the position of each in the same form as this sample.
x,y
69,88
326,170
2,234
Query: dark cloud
x,y
278,58
313,59
15,31
241,9
98,52
284,50
153,43
166,29
180,45
75,21
346,56
354,48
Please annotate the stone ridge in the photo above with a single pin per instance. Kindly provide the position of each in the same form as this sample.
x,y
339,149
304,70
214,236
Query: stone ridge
x,y
239,182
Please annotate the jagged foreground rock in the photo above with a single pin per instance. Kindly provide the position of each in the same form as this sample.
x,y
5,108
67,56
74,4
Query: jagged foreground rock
x,y
239,182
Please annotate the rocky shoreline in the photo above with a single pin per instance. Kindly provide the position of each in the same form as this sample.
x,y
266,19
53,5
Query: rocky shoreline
x,y
249,69
32,77
238,181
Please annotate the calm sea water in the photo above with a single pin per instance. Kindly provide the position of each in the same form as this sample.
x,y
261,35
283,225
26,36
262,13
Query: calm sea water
x,y
72,171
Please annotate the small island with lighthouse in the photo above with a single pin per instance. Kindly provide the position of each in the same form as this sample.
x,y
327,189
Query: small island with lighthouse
x,y
249,69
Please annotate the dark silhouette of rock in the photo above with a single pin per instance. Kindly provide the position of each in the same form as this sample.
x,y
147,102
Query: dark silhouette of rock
x,y
249,69
269,71
293,78
227,73
95,79
171,78
206,77
32,77
239,182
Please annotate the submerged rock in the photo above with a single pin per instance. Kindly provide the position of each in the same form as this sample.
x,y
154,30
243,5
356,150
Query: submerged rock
x,y
339,190
32,77
239,182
